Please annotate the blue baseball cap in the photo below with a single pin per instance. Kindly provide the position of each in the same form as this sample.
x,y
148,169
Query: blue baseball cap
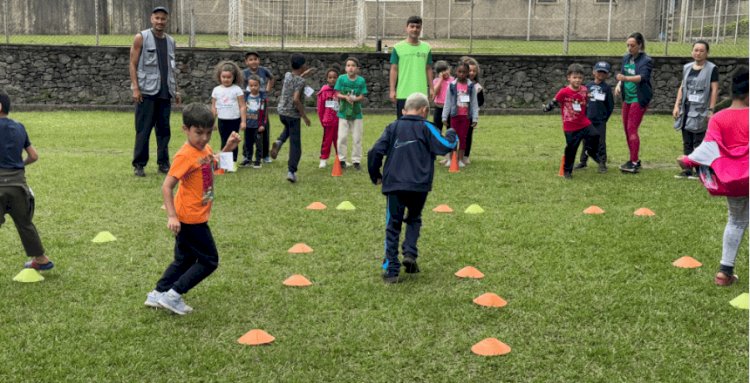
x,y
602,66
160,9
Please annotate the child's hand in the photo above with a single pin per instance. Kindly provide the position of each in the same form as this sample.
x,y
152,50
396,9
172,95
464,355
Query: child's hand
x,y
378,181
307,120
473,124
261,129
235,138
445,123
446,74
243,126
173,224
351,99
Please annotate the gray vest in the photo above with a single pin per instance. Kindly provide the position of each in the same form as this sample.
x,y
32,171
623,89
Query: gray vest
x,y
149,77
697,95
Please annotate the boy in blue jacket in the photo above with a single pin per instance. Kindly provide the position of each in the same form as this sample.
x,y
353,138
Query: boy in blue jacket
x,y
410,145
600,106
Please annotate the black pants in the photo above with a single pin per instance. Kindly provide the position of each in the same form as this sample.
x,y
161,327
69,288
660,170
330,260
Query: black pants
x,y
195,258
601,129
469,138
253,138
18,202
226,127
573,141
437,118
265,138
400,102
397,203
691,140
149,113
292,132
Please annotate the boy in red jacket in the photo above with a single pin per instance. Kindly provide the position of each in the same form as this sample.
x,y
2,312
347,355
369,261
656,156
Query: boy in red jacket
x,y
328,106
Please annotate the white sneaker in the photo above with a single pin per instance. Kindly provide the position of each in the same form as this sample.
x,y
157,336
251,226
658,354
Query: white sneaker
x,y
466,160
152,299
174,303
448,163
461,164
323,164
268,160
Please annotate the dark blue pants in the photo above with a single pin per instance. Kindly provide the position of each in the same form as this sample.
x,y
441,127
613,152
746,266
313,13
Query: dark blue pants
x,y
226,127
253,139
600,128
400,102
292,132
149,113
397,203
573,141
195,258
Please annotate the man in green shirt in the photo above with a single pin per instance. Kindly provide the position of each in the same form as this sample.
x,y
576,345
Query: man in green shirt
x,y
411,66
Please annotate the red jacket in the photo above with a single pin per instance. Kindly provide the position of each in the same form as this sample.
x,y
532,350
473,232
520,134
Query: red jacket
x,y
327,116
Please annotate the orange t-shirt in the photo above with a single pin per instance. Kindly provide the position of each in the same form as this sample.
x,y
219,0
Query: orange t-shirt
x,y
193,168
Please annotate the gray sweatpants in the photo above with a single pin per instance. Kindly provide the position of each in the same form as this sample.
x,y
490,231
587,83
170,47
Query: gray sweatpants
x,y
735,229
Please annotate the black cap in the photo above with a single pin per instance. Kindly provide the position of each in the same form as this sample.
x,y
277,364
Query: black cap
x,y
160,9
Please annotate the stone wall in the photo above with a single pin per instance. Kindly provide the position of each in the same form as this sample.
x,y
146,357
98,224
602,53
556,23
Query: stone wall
x,y
98,76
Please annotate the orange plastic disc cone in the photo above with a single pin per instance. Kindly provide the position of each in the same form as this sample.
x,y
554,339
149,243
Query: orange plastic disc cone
x,y
490,347
687,262
297,280
469,272
442,209
561,172
454,163
644,212
593,209
490,300
256,337
316,206
300,248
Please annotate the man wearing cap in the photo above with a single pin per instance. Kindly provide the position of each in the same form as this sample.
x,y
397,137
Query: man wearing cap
x,y
600,106
154,83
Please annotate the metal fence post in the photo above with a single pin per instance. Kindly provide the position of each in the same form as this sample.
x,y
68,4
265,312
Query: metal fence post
x,y
283,23
450,19
96,21
191,39
528,22
471,28
566,27
5,22
737,22
609,22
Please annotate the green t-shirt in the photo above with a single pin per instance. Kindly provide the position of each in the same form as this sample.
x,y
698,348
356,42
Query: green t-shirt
x,y
630,91
412,61
355,87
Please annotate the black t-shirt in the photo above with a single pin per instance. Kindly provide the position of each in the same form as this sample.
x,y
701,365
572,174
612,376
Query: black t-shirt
x,y
694,73
162,54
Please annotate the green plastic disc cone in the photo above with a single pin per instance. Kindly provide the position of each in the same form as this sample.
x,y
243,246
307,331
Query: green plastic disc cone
x,y
741,302
346,205
104,236
28,276
474,209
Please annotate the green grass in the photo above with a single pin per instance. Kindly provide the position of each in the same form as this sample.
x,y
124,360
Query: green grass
x,y
591,298
478,46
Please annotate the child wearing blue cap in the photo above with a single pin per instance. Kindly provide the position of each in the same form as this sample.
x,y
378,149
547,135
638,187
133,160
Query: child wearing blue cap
x,y
600,106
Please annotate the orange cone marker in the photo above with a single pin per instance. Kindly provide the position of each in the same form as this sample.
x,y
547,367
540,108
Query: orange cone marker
x,y
593,209
687,262
218,172
300,248
336,170
490,347
297,280
469,272
454,163
644,212
256,337
442,209
490,300
562,167
316,206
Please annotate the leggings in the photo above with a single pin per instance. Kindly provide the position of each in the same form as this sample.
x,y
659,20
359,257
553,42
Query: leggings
x,y
735,229
632,115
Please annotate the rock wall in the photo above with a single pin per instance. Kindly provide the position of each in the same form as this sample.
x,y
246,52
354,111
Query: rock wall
x,y
98,76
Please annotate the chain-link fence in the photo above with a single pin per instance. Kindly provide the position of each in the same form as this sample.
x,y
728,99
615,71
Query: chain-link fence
x,y
575,27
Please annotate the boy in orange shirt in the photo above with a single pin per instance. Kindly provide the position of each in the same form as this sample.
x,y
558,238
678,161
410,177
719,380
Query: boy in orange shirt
x,y
195,254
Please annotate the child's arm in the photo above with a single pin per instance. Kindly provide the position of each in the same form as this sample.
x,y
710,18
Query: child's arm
x,y
375,156
262,116
296,97
439,144
243,112
213,106
167,188
271,81
610,103
232,142
447,105
31,155
320,105
437,85
475,111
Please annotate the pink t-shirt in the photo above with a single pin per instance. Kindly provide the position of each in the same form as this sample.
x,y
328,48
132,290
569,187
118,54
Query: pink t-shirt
x,y
440,95
462,92
573,108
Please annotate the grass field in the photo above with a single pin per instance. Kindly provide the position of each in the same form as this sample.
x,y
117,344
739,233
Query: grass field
x,y
591,298
479,46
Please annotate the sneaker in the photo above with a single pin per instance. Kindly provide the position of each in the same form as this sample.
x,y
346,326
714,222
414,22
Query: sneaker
x,y
32,264
343,164
628,167
268,160
323,164
466,160
638,166
174,303
461,164
245,163
447,163
356,166
291,177
602,167
693,177
568,175
257,165
685,174
410,264
139,172
580,165
724,280
443,161
390,278
275,149
152,299
164,168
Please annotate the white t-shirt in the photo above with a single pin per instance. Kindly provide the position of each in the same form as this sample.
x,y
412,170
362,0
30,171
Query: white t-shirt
x,y
227,105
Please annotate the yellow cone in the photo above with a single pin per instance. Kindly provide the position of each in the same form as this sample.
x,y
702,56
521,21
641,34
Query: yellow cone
x,y
104,236
741,302
474,209
346,205
28,276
